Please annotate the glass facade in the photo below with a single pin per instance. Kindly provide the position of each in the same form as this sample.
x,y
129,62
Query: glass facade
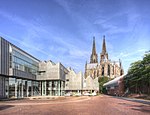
x,y
29,88
19,88
25,88
53,88
7,87
19,76
23,63
36,90
12,87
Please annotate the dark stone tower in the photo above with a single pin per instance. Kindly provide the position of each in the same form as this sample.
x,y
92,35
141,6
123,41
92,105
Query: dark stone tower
x,y
104,54
94,54
105,67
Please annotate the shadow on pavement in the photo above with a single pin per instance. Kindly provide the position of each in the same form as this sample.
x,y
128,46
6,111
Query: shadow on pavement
x,y
134,100
142,108
3,107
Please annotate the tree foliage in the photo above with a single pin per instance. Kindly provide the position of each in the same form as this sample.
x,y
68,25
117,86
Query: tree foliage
x,y
101,81
137,79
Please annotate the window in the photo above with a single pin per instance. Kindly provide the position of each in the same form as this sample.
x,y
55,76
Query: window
x,y
103,70
23,63
10,59
67,79
113,70
41,72
108,70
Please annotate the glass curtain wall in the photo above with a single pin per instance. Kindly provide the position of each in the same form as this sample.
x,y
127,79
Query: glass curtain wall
x,y
43,87
12,88
53,88
30,89
21,62
36,90
19,88
25,88
62,87
49,88
7,87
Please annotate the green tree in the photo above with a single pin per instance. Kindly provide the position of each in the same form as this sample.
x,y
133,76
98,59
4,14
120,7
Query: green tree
x,y
137,79
146,71
101,81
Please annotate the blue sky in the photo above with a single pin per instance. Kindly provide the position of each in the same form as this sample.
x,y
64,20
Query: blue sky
x,y
62,30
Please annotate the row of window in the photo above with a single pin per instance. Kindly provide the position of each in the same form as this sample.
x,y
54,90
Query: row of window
x,y
21,88
108,71
55,88
23,63
23,57
24,68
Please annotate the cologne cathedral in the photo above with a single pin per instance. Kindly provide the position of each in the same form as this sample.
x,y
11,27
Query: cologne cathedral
x,y
105,67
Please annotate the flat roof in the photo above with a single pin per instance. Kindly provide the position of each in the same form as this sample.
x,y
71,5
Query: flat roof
x,y
114,81
20,49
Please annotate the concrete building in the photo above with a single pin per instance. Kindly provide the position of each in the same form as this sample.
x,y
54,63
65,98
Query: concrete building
x,y
52,78
74,81
22,75
90,84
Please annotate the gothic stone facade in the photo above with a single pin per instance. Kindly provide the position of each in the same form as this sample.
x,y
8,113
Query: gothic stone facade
x,y
105,67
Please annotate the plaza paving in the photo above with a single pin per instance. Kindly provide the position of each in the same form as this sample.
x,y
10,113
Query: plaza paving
x,y
96,105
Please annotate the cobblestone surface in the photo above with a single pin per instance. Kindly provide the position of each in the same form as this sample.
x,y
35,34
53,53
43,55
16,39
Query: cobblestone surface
x,y
98,105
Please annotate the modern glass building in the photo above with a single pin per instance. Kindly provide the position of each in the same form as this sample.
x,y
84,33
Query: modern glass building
x,y
22,75
18,71
53,88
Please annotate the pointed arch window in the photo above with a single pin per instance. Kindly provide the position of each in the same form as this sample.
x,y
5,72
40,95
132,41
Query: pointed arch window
x,y
121,72
102,70
108,70
97,73
113,69
94,74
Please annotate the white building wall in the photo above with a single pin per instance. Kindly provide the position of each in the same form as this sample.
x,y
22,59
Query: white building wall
x,y
74,81
48,71
90,83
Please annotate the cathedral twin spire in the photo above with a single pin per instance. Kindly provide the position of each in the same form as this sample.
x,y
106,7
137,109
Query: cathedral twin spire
x,y
105,67
104,45
103,55
94,54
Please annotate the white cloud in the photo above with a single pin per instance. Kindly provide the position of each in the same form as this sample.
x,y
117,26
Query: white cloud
x,y
30,42
31,47
48,40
